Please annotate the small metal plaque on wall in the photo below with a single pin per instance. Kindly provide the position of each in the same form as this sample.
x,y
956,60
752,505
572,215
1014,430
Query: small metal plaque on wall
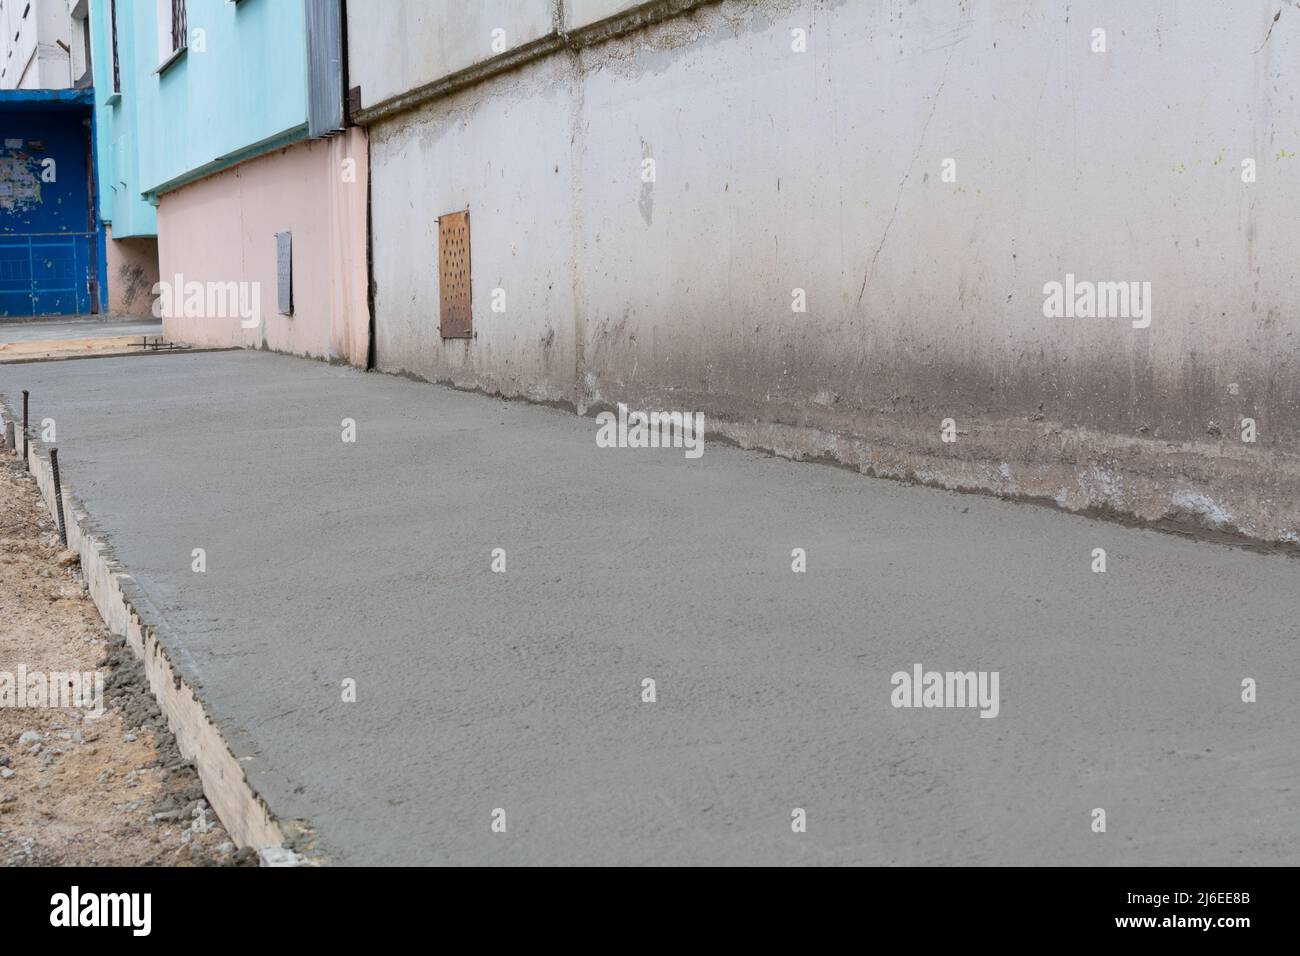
x,y
455,317
284,272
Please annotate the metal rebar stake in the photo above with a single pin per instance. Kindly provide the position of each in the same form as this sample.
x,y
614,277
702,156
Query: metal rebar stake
x,y
58,495
25,464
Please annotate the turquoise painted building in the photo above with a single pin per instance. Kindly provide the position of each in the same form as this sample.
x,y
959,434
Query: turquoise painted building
x,y
187,88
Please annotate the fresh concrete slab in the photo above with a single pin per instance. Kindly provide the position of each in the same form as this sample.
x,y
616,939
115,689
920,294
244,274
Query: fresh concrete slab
x,y
329,562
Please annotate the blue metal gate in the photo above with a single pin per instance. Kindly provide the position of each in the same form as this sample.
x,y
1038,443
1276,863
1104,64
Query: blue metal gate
x,y
49,247
45,274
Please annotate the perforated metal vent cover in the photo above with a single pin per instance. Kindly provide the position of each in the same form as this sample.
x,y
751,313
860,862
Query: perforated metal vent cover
x,y
453,276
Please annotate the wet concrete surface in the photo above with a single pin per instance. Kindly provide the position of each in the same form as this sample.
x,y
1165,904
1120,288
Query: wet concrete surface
x,y
522,691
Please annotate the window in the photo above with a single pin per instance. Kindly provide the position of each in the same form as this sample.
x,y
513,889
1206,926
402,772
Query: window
x,y
88,75
171,32
178,25
112,24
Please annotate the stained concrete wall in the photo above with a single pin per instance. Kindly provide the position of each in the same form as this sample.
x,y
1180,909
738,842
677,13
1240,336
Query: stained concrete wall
x,y
222,229
581,13
394,47
778,170
132,273
521,208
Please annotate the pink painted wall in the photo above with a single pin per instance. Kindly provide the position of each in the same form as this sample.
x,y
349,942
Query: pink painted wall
x,y
132,272
222,229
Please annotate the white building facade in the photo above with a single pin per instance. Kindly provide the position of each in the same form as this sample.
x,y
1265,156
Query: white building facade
x,y
44,44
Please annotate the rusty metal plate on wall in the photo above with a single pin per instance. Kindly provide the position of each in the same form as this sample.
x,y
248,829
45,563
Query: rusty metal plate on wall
x,y
453,276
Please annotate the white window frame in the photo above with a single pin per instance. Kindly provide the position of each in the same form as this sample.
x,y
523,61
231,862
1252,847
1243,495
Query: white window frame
x,y
170,46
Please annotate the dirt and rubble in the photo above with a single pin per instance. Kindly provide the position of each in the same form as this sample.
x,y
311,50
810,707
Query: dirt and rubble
x,y
78,789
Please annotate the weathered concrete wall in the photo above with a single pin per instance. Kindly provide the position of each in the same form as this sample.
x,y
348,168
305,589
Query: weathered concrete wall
x,y
777,170
222,229
132,274
394,47
581,13
521,211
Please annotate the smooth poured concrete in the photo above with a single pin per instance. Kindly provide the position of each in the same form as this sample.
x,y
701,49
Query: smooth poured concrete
x,y
521,690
